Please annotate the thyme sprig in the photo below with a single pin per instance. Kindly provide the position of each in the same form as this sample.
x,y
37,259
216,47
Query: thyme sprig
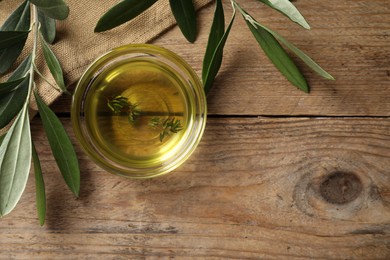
x,y
121,105
168,126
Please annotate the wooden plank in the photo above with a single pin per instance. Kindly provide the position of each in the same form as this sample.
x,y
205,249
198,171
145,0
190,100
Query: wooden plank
x,y
255,188
349,38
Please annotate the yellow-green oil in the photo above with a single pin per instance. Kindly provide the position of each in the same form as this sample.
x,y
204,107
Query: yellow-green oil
x,y
157,92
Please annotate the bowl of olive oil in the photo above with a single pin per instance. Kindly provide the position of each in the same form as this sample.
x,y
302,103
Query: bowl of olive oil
x,y
139,111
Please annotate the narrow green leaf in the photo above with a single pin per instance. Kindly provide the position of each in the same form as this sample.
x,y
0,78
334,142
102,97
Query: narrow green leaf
x,y
53,64
12,103
15,162
7,87
9,56
2,138
184,13
22,69
61,146
24,18
309,62
216,59
216,33
121,13
288,9
19,20
10,38
277,54
48,27
40,194
56,9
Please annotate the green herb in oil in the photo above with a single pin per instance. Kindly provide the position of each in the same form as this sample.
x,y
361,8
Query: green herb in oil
x,y
121,105
168,126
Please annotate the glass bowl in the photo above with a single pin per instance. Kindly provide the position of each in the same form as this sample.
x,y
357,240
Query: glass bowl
x,y
139,111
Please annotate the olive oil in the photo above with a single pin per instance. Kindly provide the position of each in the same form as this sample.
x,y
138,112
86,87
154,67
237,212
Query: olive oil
x,y
139,111
156,91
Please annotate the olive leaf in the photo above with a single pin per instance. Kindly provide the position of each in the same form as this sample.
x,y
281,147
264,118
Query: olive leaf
x,y
22,69
53,64
56,9
48,27
121,13
288,9
12,103
40,194
7,87
184,13
61,146
276,53
19,20
15,162
10,38
279,57
216,57
309,62
216,33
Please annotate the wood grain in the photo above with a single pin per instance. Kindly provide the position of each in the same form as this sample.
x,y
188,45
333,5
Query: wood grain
x,y
349,38
308,179
250,191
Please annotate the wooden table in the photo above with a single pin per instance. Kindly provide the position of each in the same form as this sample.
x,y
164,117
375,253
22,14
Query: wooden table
x,y
279,174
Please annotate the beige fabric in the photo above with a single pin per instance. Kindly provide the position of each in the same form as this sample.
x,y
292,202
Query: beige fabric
x,y
76,45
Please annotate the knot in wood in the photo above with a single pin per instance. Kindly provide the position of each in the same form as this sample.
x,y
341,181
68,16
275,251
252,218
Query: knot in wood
x,y
341,188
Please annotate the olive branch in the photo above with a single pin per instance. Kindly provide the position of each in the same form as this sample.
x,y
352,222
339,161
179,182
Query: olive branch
x,y
269,40
38,19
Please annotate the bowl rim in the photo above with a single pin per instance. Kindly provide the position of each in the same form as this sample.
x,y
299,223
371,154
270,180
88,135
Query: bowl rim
x,y
81,90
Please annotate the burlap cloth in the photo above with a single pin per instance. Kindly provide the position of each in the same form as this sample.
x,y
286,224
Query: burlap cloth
x,y
76,44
